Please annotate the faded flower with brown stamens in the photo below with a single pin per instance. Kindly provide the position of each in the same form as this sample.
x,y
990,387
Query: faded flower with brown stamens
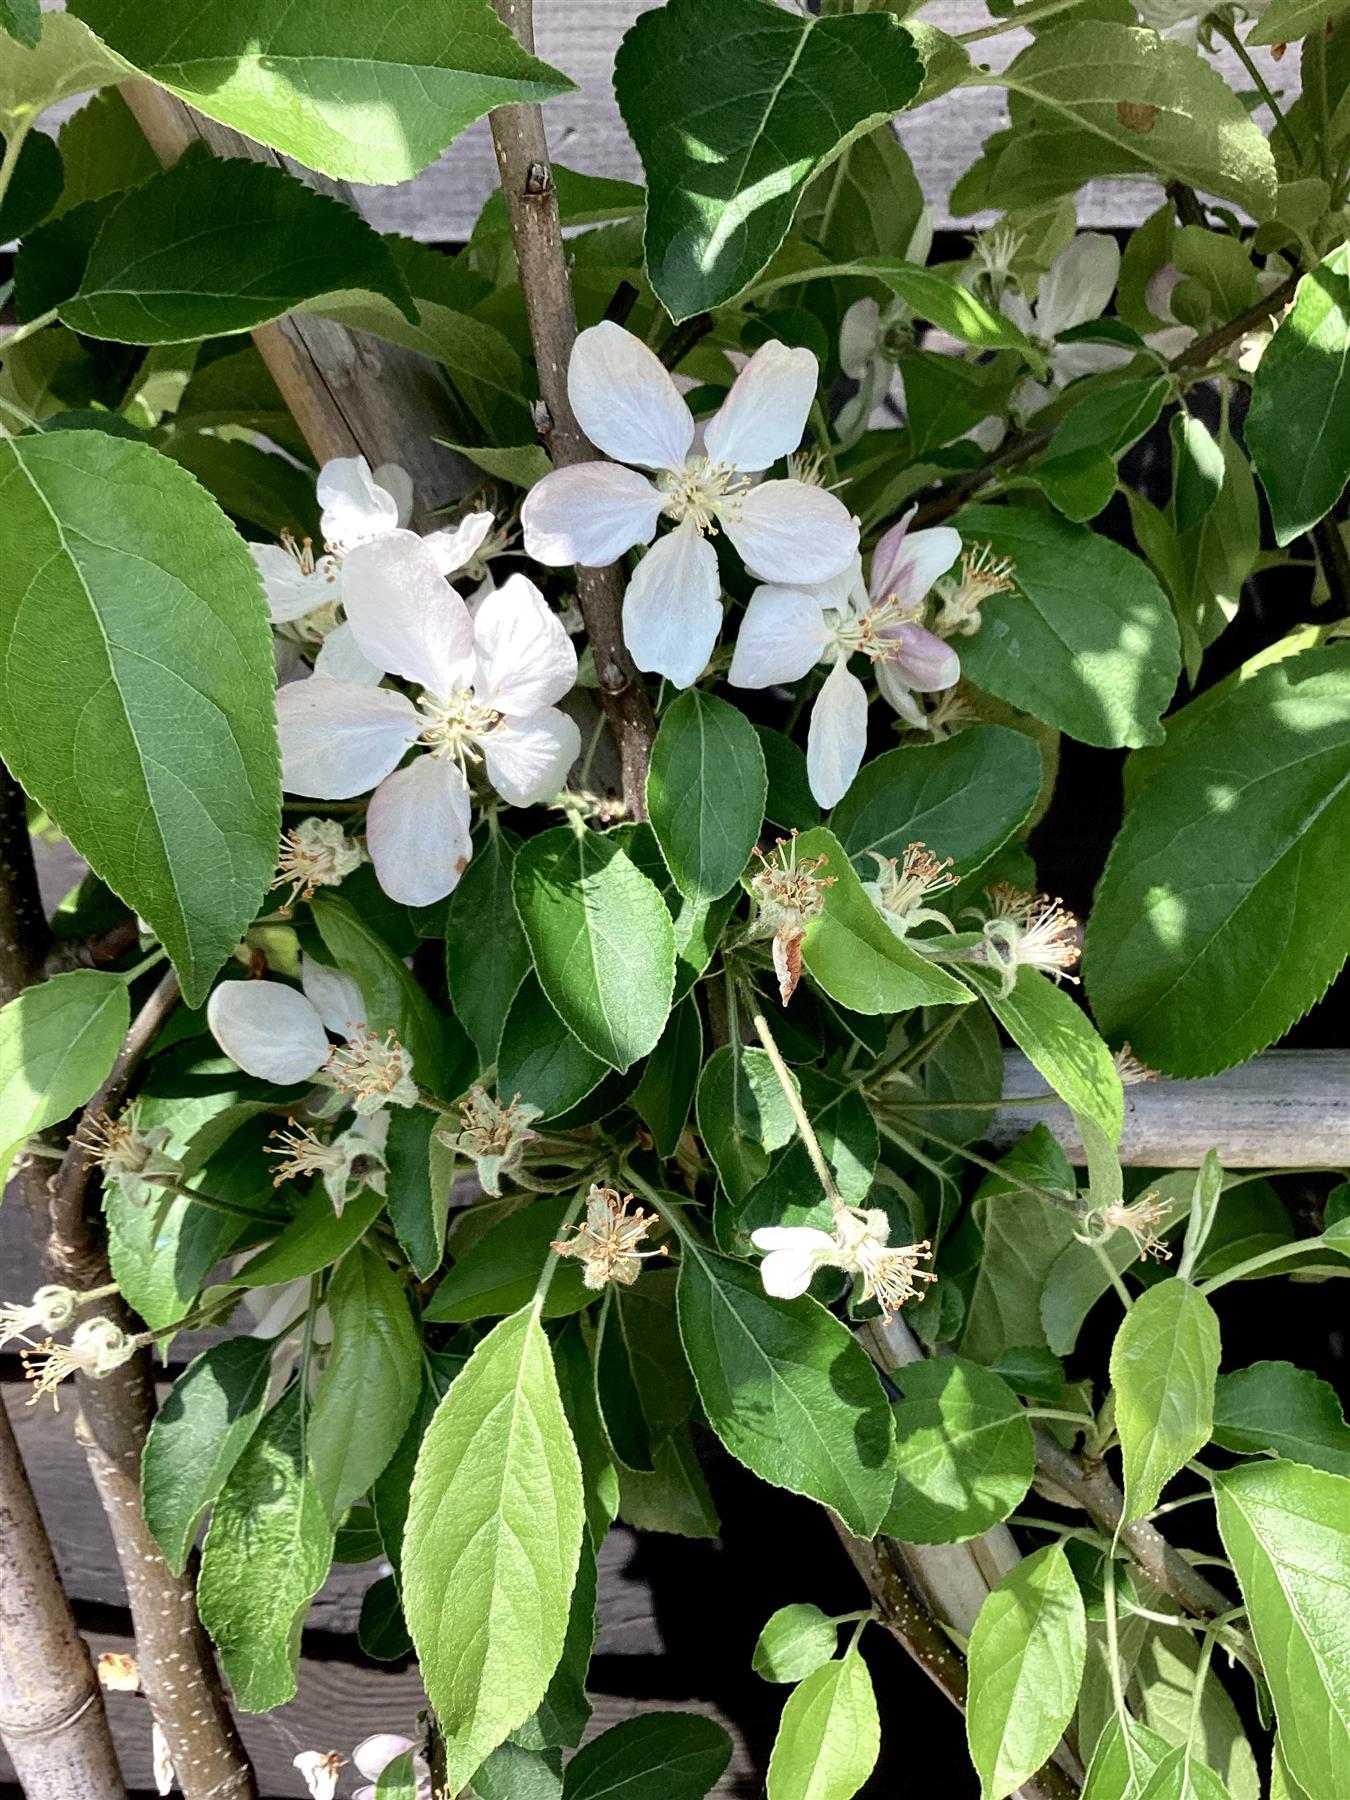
x,y
372,1071
790,892
96,1348
316,853
1030,931
858,1245
982,575
1141,1219
1129,1068
607,1239
132,1157
347,1163
493,1135
900,889
320,1770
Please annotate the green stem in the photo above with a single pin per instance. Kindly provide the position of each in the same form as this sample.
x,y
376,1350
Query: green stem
x,y
795,1106
10,161
1229,35
213,1202
31,329
1062,1201
551,1260
1282,1253
1116,1279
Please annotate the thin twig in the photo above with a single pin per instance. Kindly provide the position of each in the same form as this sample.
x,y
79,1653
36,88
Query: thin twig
x,y
24,932
683,338
97,951
1335,561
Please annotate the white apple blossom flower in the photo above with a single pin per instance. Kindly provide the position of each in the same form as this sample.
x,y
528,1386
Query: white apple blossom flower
x,y
373,1756
488,681
787,630
130,1156
590,514
1030,931
858,1245
1075,289
320,1770
872,338
280,1035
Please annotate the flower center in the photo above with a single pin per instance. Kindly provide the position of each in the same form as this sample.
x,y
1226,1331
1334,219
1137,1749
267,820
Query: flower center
x,y
703,491
903,887
877,632
452,726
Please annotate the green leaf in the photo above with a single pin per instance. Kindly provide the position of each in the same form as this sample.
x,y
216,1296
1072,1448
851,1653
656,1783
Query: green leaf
x,y
666,1092
734,106
22,19
853,953
697,924
674,1497
267,1553
499,1273
829,1737
540,1060
1112,419
493,1537
1285,20
660,1756
1163,1366
1023,1237
486,955
58,1041
417,1186
743,1114
794,1642
706,790
1081,1273
1298,424
965,1455
1179,1776
1286,1529
197,1437
519,464
1026,1663
66,60
513,1773
1106,99
963,798
1223,912
1275,1409
315,1238
381,1630
151,739
368,1389
1085,641
1121,1765
356,94
787,1388
1058,1039
929,294
966,1064
34,189
603,945
643,1387
104,151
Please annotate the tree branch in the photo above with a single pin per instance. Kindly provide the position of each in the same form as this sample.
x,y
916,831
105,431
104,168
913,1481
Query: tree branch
x,y
1335,561
532,205
24,932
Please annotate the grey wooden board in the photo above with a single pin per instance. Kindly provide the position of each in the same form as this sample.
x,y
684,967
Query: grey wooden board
x,y
586,132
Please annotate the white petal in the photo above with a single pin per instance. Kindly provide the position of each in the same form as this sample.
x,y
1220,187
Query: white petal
x,y
859,338
456,546
787,531
905,564
339,659
837,735
625,400
404,614
1014,306
355,506
320,1770
338,738
894,691
398,484
921,238
782,636
290,592
1079,284
786,1274
921,660
269,1029
528,759
1069,361
417,831
672,611
374,1754
764,415
525,658
588,514
333,995
793,1237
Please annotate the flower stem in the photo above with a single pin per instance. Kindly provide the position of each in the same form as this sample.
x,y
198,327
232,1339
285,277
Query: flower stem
x,y
31,329
798,1111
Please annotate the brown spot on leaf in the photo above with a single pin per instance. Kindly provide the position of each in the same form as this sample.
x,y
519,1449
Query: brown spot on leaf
x,y
1136,115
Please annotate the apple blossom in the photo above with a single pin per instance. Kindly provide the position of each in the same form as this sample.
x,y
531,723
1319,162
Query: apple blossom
x,y
130,1156
347,1163
786,630
1075,289
1030,931
592,513
320,1770
900,889
97,1346
493,1136
373,1756
857,1245
488,683
791,892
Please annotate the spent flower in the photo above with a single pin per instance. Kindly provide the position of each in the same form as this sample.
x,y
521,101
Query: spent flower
x,y
129,1155
320,1771
97,1346
50,1310
901,888
346,1163
493,1135
1030,931
791,892
607,1239
315,853
982,575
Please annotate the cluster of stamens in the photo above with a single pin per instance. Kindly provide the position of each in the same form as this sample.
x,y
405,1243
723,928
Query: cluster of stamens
x,y
452,726
982,575
789,884
875,633
117,1144
1129,1068
901,888
996,251
607,1239
487,1128
1032,931
316,853
1140,1219
890,1273
703,491
303,1153
96,1348
374,1071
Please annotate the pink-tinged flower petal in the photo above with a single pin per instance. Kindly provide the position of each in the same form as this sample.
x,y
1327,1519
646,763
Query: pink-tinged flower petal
x,y
1078,285
404,614
291,593
921,660
625,400
786,531
525,658
589,514
782,636
269,1029
837,735
338,738
527,759
456,546
905,565
333,995
374,1754
355,506
339,659
417,831
893,689
764,415
672,611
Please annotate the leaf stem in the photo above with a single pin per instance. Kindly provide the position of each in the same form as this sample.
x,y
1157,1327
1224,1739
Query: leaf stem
x,y
551,1260
31,329
1225,30
10,161
797,1109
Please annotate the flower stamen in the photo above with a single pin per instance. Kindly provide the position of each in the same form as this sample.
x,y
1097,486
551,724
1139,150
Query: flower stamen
x,y
316,853
606,1239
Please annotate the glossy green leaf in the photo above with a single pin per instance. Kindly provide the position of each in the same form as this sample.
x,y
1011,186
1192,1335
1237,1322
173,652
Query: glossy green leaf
x,y
706,790
1223,913
22,19
743,1114
1026,1661
1058,1039
666,1091
660,1756
104,151
267,1553
1276,1409
417,1185
58,1041
643,1386
33,191
829,1736
1085,640
796,1640
964,1452
789,801
1163,1366
539,1058
197,1437
493,1537
381,1630
734,106
787,1388
1023,1236
486,955
357,94
315,1238
151,739
1298,425
500,1272
1121,1768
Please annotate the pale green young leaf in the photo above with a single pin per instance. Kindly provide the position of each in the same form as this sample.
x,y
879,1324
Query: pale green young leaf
x,y
1223,913
1181,1776
493,1537
964,1456
197,1437
706,789
1163,1366
66,59
1163,1684
1026,1661
486,955
1058,1039
267,1553
514,1773
829,1736
734,106
151,738
1276,1409
660,1756
358,94
796,1640
58,1041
